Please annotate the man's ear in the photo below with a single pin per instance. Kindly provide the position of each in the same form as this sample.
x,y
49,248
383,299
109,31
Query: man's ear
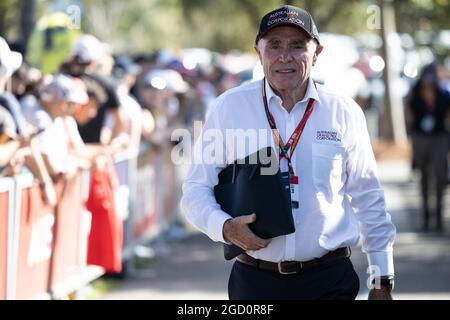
x,y
319,50
317,53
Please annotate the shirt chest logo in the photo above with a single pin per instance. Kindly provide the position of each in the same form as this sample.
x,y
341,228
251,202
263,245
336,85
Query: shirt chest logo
x,y
328,135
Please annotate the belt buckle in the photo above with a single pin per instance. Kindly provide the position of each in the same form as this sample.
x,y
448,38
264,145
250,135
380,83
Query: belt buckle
x,y
286,273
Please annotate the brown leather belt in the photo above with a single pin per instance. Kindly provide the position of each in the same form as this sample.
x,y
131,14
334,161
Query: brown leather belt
x,y
292,267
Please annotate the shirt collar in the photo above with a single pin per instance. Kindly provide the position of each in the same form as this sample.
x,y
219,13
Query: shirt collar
x,y
311,92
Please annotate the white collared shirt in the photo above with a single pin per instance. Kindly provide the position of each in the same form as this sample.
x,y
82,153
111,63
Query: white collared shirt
x,y
340,196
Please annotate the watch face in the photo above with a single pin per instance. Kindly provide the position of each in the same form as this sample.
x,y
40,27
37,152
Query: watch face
x,y
384,282
389,283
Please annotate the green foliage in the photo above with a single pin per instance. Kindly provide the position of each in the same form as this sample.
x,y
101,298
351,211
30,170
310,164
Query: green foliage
x,y
428,15
10,16
7,15
138,25
134,25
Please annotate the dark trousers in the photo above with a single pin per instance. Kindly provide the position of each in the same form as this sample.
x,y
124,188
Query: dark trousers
x,y
336,281
430,157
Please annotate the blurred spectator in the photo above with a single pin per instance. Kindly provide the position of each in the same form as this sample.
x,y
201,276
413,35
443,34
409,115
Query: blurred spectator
x,y
9,101
26,81
12,155
207,93
9,63
125,73
50,42
8,143
85,56
96,96
159,95
215,81
428,107
146,62
61,138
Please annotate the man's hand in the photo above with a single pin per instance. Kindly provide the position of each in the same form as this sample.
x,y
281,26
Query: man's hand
x,y
14,166
99,163
380,294
237,232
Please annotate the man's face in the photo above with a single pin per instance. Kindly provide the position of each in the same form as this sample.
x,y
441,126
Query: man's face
x,y
85,113
54,106
287,55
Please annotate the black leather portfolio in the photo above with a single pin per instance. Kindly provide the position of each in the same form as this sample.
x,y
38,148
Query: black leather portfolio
x,y
254,185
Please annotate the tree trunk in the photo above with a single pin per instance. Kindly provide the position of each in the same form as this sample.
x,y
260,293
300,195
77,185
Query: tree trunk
x,y
393,128
27,20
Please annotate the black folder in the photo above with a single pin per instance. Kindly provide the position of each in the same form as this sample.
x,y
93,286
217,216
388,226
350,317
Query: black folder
x,y
254,185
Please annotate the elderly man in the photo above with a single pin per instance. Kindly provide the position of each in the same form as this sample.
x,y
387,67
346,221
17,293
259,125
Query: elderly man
x,y
325,149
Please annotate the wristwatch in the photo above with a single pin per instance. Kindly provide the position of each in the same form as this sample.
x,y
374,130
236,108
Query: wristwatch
x,y
385,281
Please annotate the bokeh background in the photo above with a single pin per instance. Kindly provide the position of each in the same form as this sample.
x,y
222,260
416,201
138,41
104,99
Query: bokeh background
x,y
172,58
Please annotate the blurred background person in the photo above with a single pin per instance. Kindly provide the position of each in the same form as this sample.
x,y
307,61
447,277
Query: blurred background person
x,y
160,95
51,41
84,63
125,72
57,138
63,148
428,108
9,145
10,61
25,82
27,151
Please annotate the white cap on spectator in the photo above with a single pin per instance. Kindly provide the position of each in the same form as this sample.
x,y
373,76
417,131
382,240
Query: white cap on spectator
x,y
64,88
87,49
10,61
78,93
166,80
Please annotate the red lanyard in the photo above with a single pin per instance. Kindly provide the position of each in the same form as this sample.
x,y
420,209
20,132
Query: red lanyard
x,y
295,137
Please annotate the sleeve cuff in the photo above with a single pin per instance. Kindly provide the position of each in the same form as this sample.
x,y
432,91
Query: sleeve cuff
x,y
381,262
215,225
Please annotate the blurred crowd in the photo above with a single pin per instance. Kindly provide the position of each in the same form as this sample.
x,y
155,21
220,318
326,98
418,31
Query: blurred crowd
x,y
97,105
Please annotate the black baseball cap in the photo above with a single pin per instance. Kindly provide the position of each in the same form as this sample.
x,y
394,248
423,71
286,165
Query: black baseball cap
x,y
291,16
